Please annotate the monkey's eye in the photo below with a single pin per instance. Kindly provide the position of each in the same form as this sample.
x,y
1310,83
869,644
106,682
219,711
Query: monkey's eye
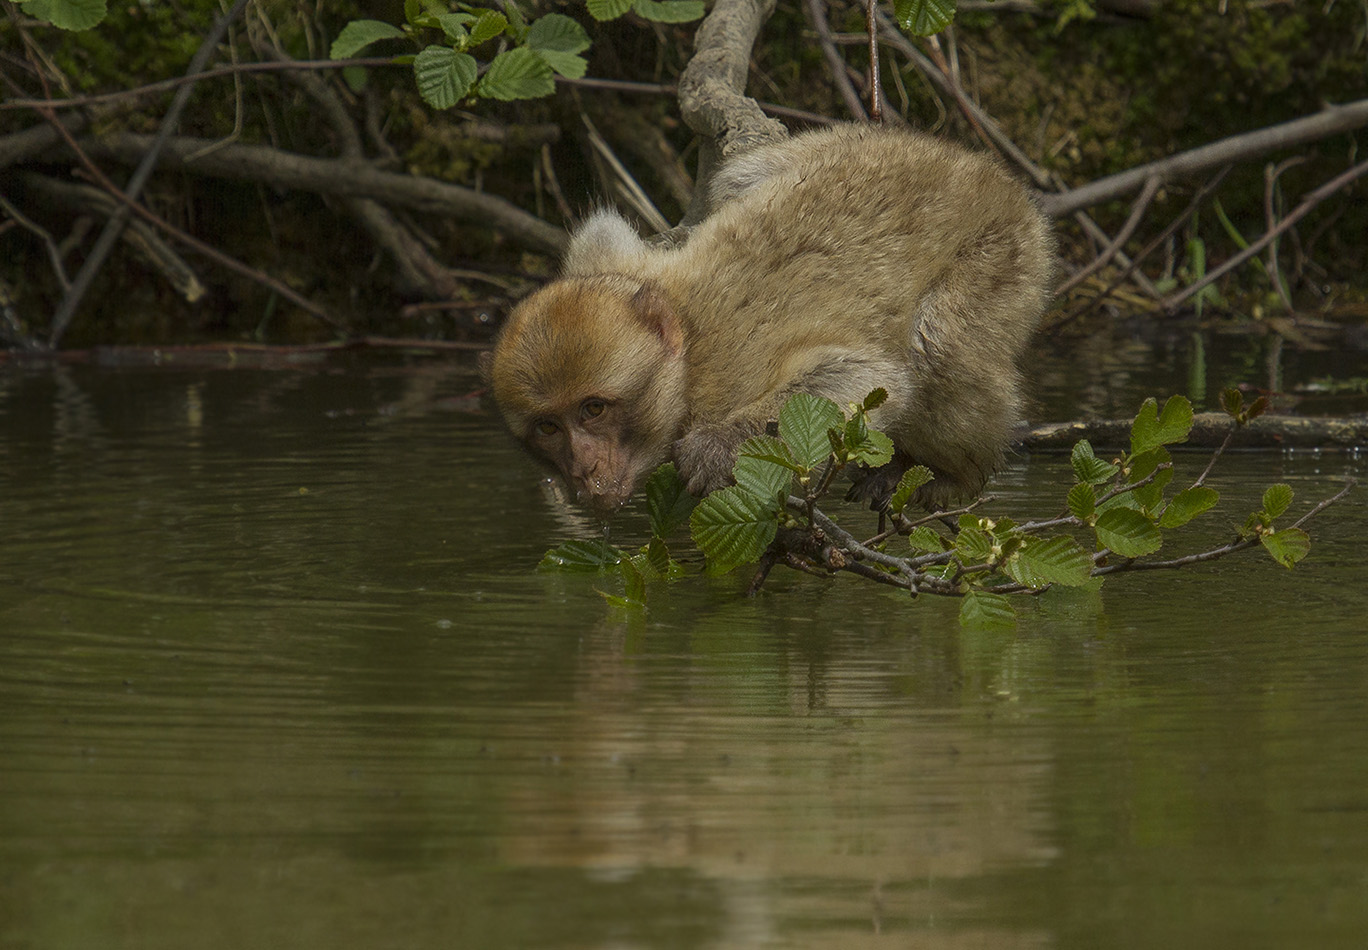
x,y
547,427
592,408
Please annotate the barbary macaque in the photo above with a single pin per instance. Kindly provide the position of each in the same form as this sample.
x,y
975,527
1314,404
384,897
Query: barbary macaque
x,y
834,262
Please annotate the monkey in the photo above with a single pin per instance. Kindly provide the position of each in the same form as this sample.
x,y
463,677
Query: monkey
x,y
832,262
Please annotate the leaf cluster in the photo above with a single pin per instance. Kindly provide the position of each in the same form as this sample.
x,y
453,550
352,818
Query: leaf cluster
x,y
526,54
1119,512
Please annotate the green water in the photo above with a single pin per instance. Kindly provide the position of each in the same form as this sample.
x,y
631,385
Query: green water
x,y
275,672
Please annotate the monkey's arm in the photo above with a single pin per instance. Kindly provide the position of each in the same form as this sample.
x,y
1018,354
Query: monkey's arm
x,y
707,451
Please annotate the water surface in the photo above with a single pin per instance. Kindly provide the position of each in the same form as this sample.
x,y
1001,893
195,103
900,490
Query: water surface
x,y
276,671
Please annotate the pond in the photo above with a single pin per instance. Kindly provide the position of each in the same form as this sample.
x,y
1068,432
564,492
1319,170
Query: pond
x,y
277,670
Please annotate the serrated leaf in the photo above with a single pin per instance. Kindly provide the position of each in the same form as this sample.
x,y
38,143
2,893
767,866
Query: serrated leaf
x,y
875,399
1044,561
1153,428
981,610
732,527
633,579
556,32
924,17
1127,532
973,545
1232,401
358,34
654,559
488,25
1151,495
670,11
444,76
770,449
590,557
568,65
764,479
72,15
608,9
1088,467
926,539
1082,501
1287,546
1276,498
1188,504
803,424
517,23
453,25
873,449
1256,408
667,500
912,479
517,74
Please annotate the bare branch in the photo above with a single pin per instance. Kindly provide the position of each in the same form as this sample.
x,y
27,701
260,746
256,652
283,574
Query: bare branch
x,y
1248,145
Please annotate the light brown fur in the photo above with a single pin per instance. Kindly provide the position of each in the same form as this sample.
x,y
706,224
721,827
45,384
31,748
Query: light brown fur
x,y
836,261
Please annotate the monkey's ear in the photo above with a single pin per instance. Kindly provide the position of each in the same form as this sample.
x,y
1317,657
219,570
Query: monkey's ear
x,y
653,309
486,363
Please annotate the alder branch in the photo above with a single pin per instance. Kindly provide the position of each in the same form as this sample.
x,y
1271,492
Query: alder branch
x,y
1236,148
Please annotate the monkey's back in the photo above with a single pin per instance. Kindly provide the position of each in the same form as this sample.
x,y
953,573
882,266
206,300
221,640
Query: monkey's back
x,y
917,256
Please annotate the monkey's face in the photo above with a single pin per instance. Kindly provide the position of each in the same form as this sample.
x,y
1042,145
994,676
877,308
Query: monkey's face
x,y
589,374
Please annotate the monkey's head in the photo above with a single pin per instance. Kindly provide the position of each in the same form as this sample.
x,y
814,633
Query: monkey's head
x,y
589,373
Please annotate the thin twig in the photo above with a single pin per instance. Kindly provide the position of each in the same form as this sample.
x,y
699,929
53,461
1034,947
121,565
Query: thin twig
x,y
1308,203
836,66
1138,209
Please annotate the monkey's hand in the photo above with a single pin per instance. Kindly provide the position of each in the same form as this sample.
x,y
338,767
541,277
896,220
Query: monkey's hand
x,y
706,454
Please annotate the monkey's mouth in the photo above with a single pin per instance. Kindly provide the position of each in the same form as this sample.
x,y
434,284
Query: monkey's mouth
x,y
604,496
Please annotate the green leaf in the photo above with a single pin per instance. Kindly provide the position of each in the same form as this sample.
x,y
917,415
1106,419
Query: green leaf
x,y
926,539
454,26
488,25
1082,501
444,76
634,580
873,448
608,9
1276,499
568,65
1287,546
1232,401
1044,561
759,470
912,479
770,449
517,23
875,399
590,557
654,559
984,611
1153,428
803,424
1188,504
667,500
670,11
358,34
733,527
517,74
1128,532
1151,495
557,33
1088,468
924,17
66,14
974,546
